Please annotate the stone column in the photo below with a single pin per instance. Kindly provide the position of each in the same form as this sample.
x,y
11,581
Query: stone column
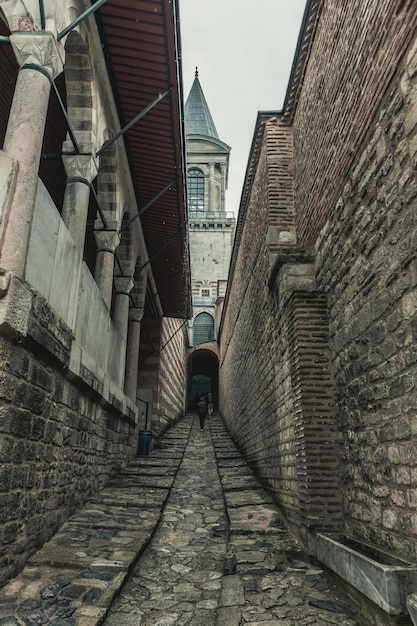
x,y
132,353
40,62
107,242
212,189
123,286
223,188
81,171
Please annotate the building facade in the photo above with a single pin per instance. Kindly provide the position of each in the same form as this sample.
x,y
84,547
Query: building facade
x,y
93,252
322,296
211,237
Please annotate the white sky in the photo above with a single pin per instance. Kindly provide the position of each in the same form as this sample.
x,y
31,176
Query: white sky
x,y
244,51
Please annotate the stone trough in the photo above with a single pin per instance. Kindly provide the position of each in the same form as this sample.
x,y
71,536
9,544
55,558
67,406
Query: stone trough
x,y
383,578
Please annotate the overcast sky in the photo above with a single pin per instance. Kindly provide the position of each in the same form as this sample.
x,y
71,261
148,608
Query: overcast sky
x,y
244,51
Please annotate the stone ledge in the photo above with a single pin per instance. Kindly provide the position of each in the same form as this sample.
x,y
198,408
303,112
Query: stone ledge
x,y
26,317
383,578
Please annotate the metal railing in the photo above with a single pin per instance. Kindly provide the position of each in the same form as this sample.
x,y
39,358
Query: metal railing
x,y
211,216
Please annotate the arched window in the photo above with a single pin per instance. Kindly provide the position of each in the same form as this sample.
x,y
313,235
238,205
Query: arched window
x,y
203,328
195,190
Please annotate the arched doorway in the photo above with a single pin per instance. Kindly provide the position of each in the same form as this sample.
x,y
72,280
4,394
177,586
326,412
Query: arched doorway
x,y
203,375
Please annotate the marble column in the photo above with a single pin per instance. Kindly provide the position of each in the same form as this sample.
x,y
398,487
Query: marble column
x,y
107,242
132,353
81,171
40,62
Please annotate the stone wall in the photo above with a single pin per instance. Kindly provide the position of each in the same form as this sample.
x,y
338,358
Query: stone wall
x,y
318,364
367,264
58,443
76,281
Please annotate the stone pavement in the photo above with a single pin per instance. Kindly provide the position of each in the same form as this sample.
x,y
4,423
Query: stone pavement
x,y
209,545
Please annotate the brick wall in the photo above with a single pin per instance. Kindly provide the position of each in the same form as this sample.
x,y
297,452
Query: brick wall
x,y
162,371
355,54
368,266
281,417
171,396
58,444
318,371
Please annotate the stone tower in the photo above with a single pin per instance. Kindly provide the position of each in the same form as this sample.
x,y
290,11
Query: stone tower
x,y
211,228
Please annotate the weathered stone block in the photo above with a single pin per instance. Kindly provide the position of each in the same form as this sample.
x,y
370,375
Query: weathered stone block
x,y
15,422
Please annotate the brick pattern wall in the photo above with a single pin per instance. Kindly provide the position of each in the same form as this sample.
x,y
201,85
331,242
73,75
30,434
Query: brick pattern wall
x,y
367,263
171,396
246,399
148,371
281,217
284,353
356,51
315,429
162,369
276,392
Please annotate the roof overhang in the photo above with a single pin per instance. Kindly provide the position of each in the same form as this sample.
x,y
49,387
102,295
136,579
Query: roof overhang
x,y
142,47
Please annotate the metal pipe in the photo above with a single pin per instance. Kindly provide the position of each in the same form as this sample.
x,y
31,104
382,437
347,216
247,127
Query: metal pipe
x,y
150,203
172,336
100,210
80,19
128,126
70,130
42,14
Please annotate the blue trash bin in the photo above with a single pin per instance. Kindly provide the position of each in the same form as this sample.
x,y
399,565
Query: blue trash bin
x,y
145,438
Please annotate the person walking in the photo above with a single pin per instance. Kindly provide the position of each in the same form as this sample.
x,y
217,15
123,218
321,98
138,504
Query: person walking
x,y
202,411
210,403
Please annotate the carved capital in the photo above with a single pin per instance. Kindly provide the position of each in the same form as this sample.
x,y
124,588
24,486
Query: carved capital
x,y
80,166
107,240
123,284
136,314
38,49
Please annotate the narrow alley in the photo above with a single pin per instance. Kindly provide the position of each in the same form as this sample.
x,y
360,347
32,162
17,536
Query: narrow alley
x,y
209,545
200,571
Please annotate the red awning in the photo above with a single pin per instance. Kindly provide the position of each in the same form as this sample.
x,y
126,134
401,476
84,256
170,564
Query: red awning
x,y
141,44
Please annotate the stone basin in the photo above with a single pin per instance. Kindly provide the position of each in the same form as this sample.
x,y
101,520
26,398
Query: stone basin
x,y
385,579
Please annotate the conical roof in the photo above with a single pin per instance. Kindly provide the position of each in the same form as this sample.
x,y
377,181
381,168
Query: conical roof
x,y
198,120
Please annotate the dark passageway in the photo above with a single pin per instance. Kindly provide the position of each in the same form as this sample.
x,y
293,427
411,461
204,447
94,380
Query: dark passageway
x,y
203,375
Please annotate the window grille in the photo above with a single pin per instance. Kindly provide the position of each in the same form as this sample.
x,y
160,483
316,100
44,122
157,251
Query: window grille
x,y
203,328
195,190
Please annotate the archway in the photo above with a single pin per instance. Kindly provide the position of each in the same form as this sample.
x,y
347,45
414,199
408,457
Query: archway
x,y
203,375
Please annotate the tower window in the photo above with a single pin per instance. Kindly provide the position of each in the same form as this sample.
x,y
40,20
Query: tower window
x,y
195,190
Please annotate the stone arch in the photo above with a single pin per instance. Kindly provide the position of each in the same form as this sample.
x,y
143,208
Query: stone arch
x,y
139,284
78,79
125,264
203,374
107,184
102,215
203,328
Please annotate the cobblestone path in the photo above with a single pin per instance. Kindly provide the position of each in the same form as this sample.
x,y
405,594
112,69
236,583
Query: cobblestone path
x,y
209,545
222,556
